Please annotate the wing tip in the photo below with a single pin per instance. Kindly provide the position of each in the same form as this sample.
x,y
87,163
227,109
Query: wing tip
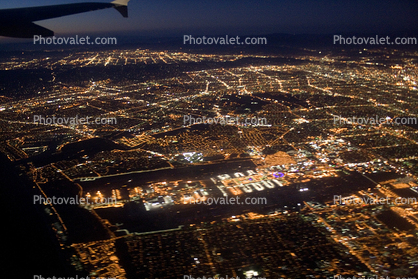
x,y
121,6
120,2
123,10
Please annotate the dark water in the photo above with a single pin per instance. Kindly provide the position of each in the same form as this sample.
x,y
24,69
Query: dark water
x,y
29,246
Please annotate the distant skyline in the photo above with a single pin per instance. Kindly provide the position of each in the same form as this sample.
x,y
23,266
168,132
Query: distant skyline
x,y
245,17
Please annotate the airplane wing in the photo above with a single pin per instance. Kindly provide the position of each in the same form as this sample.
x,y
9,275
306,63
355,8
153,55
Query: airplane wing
x,y
18,23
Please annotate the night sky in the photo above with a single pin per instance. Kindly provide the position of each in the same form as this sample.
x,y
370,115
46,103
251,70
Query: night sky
x,y
244,17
